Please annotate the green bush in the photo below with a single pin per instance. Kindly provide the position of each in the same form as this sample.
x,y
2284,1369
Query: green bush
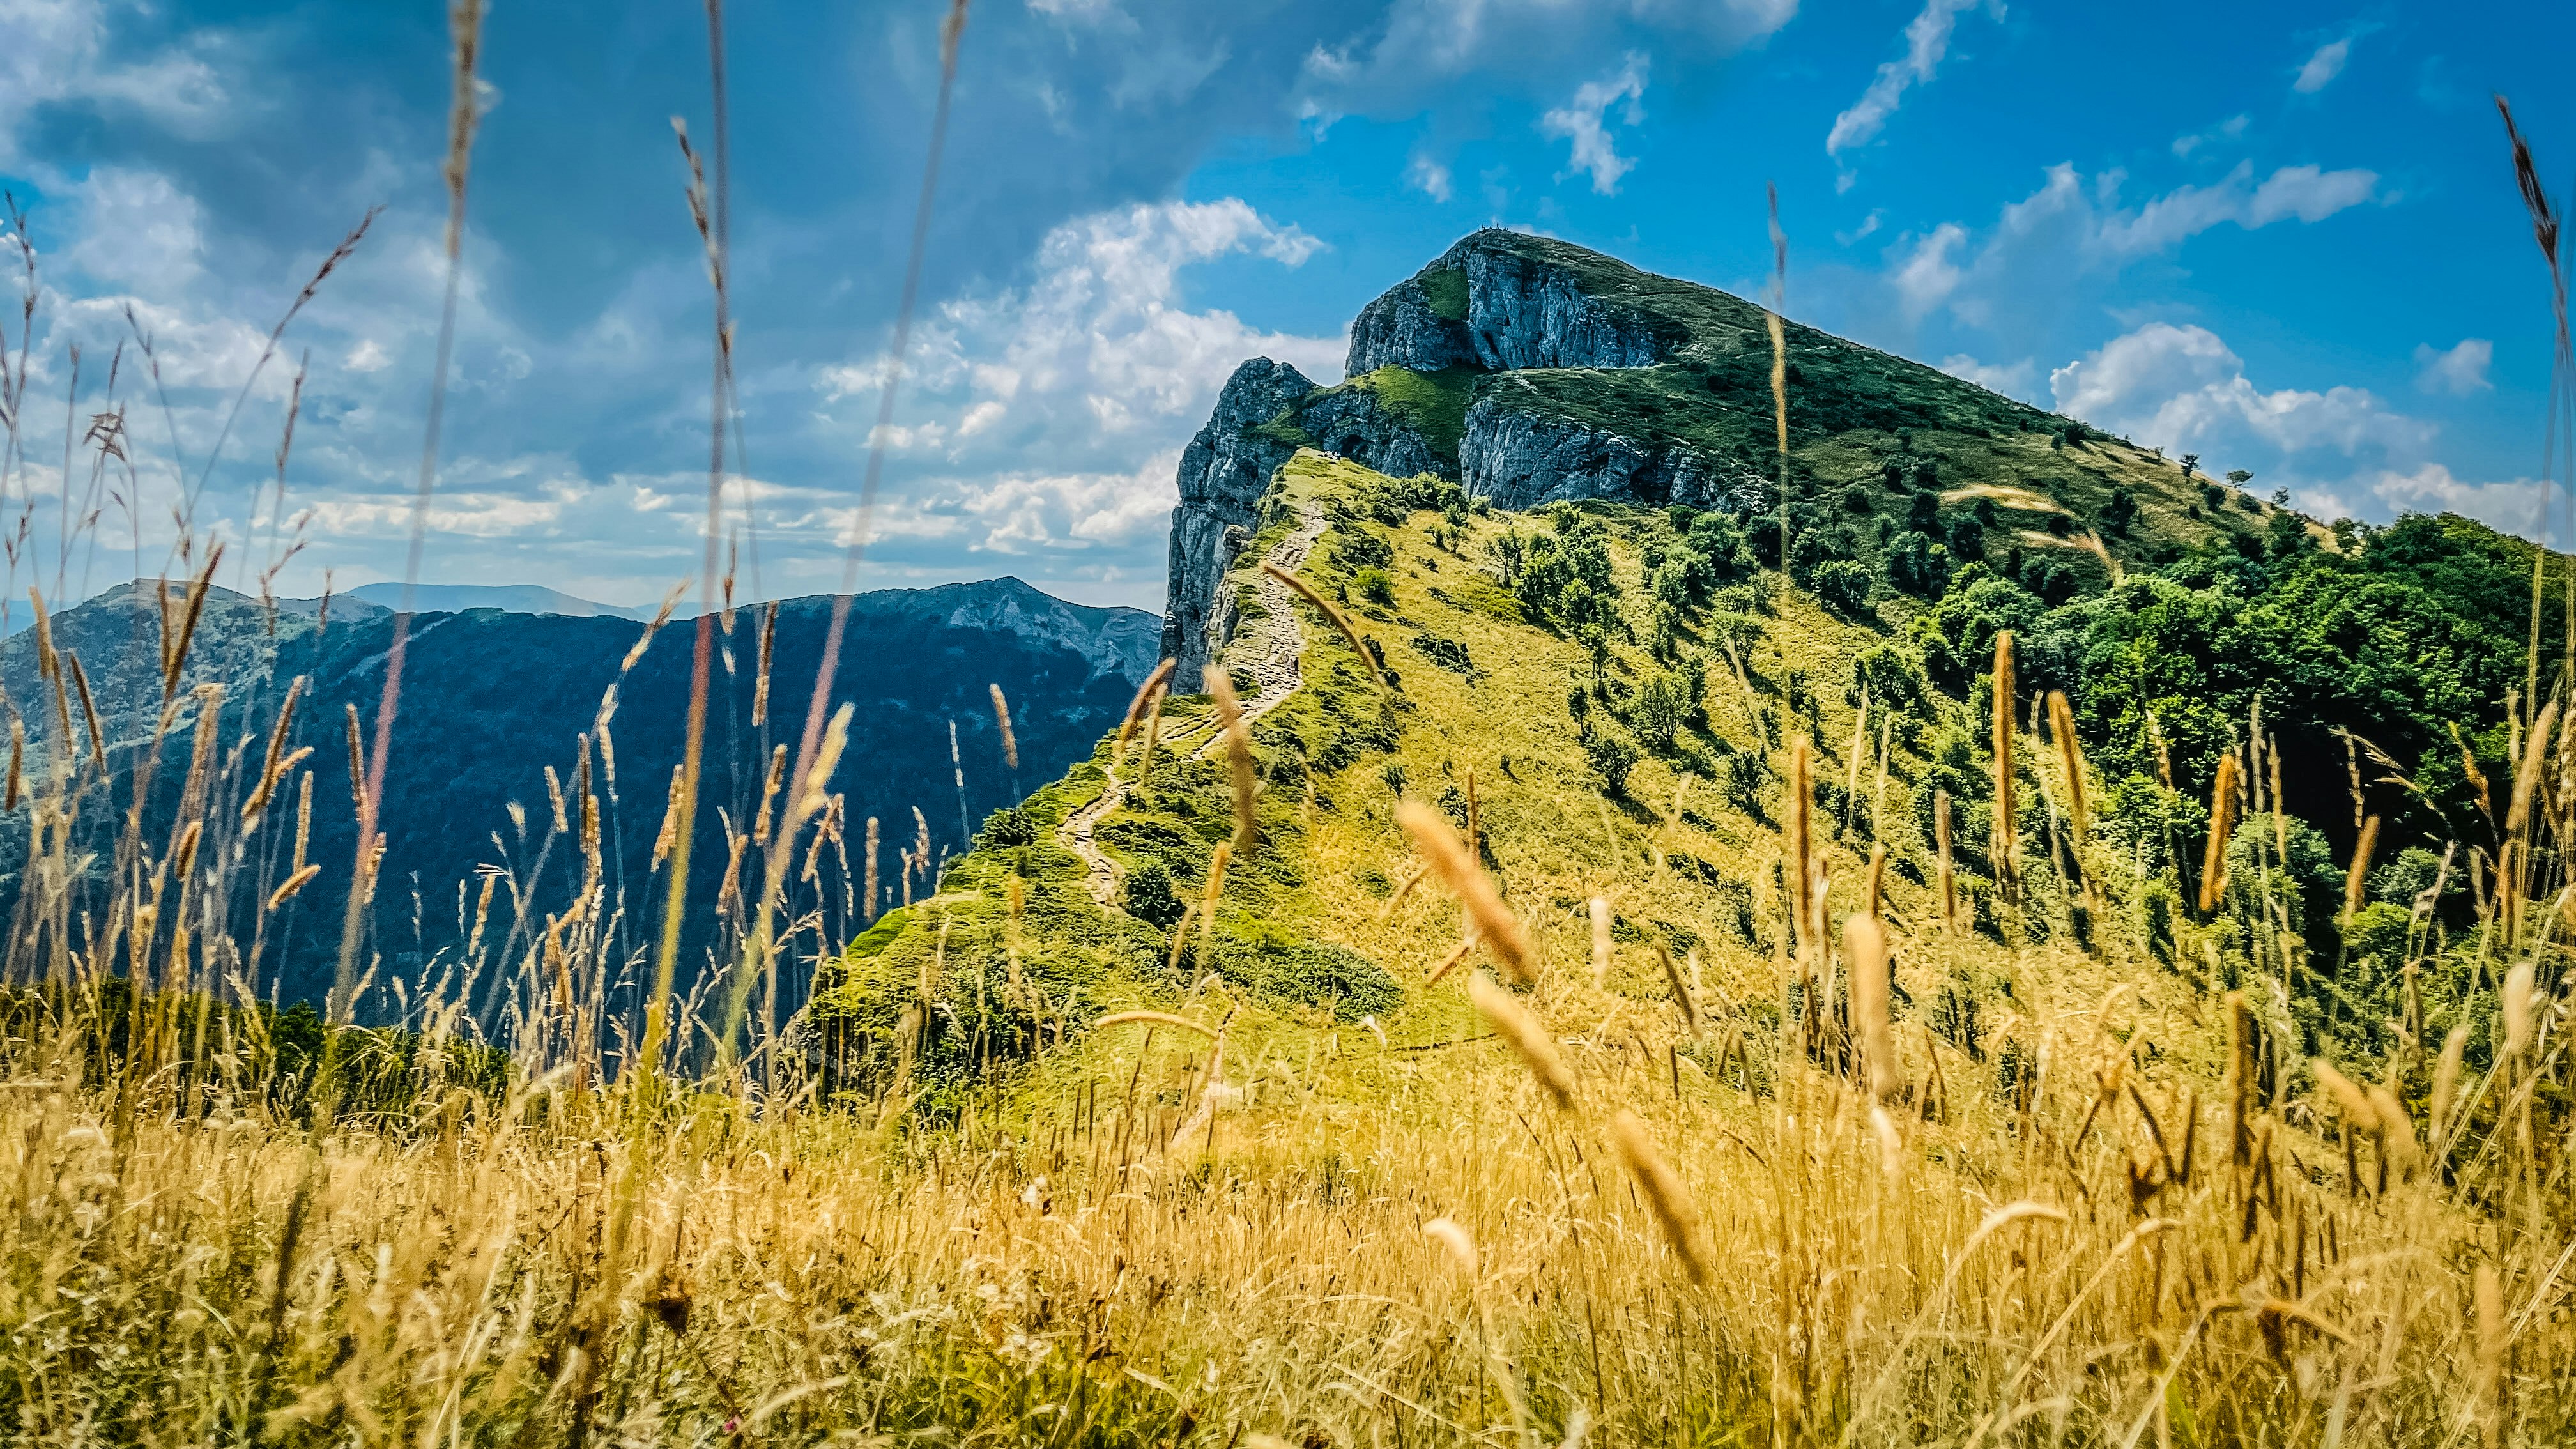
x,y
1009,826
1149,897
1844,586
1374,585
1611,758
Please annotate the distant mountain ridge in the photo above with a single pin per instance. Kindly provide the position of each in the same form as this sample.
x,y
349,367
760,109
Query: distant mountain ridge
x,y
493,699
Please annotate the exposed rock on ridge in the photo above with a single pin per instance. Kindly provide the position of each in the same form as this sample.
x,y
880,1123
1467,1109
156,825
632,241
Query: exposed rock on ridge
x,y
1353,422
1522,309
1223,474
1527,460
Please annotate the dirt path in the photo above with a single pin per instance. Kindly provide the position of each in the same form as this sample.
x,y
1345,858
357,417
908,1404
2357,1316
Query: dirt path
x,y
1274,640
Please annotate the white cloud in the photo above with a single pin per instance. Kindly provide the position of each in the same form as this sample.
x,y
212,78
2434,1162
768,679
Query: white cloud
x,y
2458,370
1429,177
2338,450
1584,123
56,52
2182,387
2516,505
135,229
1388,66
1929,274
2231,129
1868,225
1927,40
2323,66
2015,379
2309,193
1095,364
2073,223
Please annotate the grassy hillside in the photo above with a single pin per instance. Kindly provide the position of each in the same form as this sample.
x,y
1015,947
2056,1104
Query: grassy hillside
x,y
2099,1165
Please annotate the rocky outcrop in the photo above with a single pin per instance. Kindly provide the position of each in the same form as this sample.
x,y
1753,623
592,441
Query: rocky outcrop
x,y
1522,459
1353,421
1403,329
1524,307
1223,474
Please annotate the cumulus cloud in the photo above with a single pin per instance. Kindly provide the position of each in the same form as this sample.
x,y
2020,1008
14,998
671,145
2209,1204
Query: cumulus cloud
x,y
58,53
2076,223
2182,387
2517,505
2322,66
2338,450
2458,370
1095,361
136,229
2014,379
1930,272
1927,41
1429,177
1585,123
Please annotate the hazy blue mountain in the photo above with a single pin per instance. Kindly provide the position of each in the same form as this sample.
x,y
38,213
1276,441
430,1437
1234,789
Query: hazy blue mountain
x,y
491,698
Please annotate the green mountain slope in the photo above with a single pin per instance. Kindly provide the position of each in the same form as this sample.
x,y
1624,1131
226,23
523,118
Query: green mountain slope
x,y
1617,688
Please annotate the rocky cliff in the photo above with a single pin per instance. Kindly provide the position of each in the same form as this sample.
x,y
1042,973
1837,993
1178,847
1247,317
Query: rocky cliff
x,y
1223,473
1534,371
1523,459
1499,300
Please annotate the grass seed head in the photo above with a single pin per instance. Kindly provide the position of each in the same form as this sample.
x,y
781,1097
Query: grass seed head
x,y
1519,1028
1664,1191
1448,858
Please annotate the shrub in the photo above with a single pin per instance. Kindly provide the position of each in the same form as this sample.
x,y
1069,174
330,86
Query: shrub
x,y
1664,704
1923,513
1611,758
2121,512
1009,826
1359,549
1149,897
1891,673
1967,538
1916,565
1374,585
1744,775
1844,586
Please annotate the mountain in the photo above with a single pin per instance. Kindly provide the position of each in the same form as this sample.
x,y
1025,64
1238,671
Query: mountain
x,y
514,598
1532,371
492,701
1595,628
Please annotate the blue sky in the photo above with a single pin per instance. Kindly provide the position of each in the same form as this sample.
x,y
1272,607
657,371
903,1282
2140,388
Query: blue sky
x,y
2282,236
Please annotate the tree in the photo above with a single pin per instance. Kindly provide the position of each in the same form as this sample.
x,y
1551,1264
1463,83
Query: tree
x,y
2239,477
2190,463
1150,897
2121,512
1010,826
1611,758
1916,565
1374,585
1967,538
1745,773
1844,586
1923,513
1665,703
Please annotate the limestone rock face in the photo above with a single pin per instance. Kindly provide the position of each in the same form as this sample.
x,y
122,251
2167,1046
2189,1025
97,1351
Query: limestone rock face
x,y
1223,474
1402,329
1353,422
1521,310
1526,460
